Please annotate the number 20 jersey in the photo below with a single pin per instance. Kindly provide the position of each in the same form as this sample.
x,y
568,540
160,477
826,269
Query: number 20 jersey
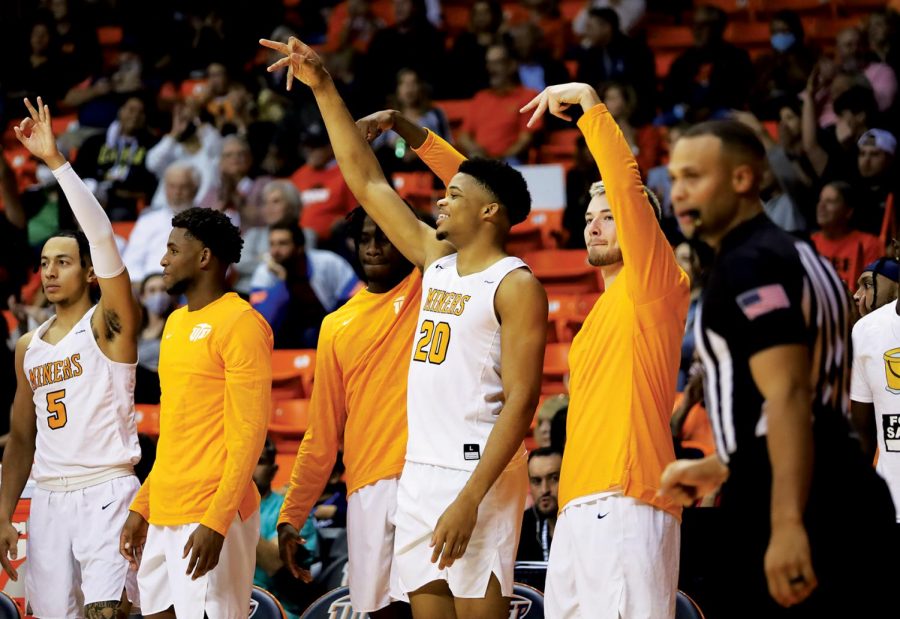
x,y
84,404
455,391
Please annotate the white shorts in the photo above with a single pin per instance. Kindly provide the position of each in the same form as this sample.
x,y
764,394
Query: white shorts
x,y
424,493
223,593
370,540
73,548
613,557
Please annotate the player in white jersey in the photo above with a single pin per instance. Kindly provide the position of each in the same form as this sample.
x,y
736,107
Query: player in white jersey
x,y
473,385
73,414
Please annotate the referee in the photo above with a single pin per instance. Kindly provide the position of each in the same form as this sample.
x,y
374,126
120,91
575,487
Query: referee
x,y
807,525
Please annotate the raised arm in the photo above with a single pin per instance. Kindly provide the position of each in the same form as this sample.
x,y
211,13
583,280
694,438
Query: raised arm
x,y
521,305
117,319
357,162
17,458
653,271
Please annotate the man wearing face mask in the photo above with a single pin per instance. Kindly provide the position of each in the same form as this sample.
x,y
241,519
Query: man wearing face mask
x,y
157,304
782,73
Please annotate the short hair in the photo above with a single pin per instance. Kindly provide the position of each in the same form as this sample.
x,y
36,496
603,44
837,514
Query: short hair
x,y
214,230
84,247
290,193
792,20
606,14
598,189
543,452
505,183
143,287
856,99
736,138
849,194
194,173
290,224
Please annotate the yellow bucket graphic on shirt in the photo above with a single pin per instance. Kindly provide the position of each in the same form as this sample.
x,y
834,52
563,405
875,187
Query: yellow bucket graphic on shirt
x,y
892,370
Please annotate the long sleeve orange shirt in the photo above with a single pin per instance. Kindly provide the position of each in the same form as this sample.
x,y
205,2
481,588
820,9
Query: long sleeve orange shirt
x,y
623,363
359,397
215,373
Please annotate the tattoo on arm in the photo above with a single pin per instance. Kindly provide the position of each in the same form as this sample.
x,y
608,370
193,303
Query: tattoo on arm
x,y
112,609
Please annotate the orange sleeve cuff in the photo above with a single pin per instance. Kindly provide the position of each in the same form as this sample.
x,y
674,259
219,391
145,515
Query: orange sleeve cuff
x,y
440,157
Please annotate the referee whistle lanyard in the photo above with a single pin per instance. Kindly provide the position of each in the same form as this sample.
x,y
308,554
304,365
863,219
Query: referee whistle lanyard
x,y
542,531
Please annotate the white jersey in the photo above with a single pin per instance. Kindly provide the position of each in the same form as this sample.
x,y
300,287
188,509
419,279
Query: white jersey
x,y
876,380
84,404
455,392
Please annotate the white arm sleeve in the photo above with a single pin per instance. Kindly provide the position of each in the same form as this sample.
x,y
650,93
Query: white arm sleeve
x,y
93,220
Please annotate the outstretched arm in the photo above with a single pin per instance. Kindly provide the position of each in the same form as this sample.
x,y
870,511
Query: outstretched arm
x,y
358,164
117,319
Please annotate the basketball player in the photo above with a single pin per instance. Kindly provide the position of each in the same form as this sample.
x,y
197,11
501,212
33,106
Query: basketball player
x,y
194,525
73,415
359,398
623,366
473,385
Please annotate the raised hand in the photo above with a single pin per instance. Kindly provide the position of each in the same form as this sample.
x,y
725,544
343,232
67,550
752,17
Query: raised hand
x,y
36,134
557,99
373,125
301,61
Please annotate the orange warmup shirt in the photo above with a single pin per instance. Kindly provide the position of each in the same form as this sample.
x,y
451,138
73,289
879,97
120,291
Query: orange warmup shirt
x,y
623,363
850,254
215,372
359,398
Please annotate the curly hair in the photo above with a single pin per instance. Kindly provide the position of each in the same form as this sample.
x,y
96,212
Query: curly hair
x,y
505,182
214,230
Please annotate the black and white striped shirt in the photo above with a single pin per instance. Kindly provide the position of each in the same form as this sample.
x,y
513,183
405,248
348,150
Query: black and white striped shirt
x,y
768,289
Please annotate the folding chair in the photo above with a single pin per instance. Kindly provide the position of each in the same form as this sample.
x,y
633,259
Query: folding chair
x,y
556,368
264,605
292,373
288,423
564,270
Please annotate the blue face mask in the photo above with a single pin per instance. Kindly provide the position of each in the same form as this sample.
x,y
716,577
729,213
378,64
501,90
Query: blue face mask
x,y
157,303
782,41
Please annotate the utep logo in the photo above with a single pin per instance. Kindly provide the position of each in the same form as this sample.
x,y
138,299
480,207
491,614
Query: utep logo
x,y
342,609
398,304
200,331
254,606
892,370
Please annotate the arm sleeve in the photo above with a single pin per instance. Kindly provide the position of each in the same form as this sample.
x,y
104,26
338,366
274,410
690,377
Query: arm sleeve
x,y
440,157
246,350
648,257
93,220
859,387
318,451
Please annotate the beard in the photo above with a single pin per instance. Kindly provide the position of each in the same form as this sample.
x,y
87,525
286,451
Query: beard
x,y
605,258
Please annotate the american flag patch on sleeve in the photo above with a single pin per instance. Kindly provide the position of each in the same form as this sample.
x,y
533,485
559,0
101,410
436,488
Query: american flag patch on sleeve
x,y
759,301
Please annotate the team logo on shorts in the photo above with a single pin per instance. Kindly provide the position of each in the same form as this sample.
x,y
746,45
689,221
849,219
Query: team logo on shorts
x,y
200,331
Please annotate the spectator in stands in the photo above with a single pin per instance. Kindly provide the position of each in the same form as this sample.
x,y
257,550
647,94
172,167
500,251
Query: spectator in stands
x,y
114,164
37,70
579,179
147,243
467,57
848,249
297,286
606,54
281,202
537,67
189,141
493,126
352,25
877,173
877,285
783,72
157,304
659,182
851,55
881,30
413,100
709,78
544,418
786,186
630,13
268,561
546,16
326,198
539,520
689,260
621,101
411,42
77,39
235,191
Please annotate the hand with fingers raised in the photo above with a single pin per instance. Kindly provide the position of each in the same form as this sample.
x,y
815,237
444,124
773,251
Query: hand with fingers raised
x,y
301,61
36,134
557,99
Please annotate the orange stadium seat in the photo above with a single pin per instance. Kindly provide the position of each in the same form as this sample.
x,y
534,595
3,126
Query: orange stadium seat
x,y
523,238
292,373
824,30
564,270
766,8
417,188
288,423
123,228
664,62
556,368
567,312
559,147
456,111
670,37
109,36
753,34
146,416
550,223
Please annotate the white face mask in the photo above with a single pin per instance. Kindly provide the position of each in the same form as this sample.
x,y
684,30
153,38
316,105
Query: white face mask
x,y
158,302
